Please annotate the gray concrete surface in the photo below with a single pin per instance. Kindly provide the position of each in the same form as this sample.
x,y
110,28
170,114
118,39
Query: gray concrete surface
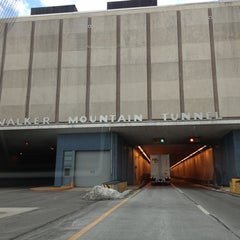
x,y
49,206
160,50
178,212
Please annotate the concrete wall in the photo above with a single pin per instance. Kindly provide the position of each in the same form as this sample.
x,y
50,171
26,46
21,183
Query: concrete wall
x,y
227,40
73,68
103,66
198,168
141,167
44,69
164,64
133,73
196,57
226,158
15,49
144,61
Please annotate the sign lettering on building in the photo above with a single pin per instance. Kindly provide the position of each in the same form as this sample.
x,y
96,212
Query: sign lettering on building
x,y
25,121
110,119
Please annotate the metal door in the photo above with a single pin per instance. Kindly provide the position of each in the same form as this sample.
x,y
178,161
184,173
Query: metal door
x,y
92,168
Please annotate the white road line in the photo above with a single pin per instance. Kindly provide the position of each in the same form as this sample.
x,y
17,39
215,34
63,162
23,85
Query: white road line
x,y
203,210
7,211
178,189
199,206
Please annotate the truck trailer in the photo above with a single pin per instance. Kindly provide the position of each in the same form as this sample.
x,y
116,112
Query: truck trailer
x,y
160,169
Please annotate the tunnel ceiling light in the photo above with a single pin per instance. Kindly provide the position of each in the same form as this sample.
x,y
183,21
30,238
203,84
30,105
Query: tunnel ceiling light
x,y
144,154
191,139
194,139
190,155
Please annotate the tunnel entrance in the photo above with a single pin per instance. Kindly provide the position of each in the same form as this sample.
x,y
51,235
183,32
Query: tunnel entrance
x,y
191,162
27,159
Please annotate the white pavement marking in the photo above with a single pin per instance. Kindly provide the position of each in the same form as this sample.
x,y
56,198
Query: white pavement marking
x,y
203,210
178,189
7,212
199,206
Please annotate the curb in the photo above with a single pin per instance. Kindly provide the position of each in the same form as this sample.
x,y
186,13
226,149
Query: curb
x,y
61,188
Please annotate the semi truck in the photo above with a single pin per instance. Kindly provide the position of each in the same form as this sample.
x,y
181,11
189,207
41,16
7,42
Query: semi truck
x,y
160,169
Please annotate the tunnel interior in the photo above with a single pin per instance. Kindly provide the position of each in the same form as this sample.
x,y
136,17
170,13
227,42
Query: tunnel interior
x,y
27,159
192,162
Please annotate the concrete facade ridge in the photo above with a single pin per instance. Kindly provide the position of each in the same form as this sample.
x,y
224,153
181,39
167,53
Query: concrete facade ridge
x,y
110,125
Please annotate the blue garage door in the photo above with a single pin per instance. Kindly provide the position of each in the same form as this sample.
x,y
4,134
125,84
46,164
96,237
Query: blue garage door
x,y
92,168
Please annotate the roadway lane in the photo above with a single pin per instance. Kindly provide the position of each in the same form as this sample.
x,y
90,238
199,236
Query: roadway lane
x,y
159,212
179,212
23,211
220,205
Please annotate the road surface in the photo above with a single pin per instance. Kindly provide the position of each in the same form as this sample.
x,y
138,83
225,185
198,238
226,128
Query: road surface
x,y
180,211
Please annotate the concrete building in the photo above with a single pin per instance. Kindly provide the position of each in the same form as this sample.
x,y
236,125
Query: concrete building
x,y
79,92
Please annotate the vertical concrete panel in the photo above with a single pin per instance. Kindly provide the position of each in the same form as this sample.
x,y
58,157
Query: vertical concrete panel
x,y
1,47
226,156
133,65
15,71
149,67
228,159
237,153
213,61
180,61
30,69
197,72
73,72
164,56
103,66
227,47
59,71
3,54
44,69
88,67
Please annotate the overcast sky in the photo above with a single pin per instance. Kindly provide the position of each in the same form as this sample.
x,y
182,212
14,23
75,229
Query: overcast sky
x,y
22,8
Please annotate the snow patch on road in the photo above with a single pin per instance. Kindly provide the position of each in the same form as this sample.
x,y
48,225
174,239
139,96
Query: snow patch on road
x,y
102,193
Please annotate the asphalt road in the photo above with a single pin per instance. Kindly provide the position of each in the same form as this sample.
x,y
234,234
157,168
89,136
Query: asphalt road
x,y
23,211
180,212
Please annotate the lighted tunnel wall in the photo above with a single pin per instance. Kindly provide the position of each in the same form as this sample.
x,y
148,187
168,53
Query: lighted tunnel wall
x,y
141,167
198,168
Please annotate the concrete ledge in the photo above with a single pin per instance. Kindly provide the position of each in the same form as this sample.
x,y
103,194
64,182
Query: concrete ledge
x,y
51,188
235,186
119,186
61,188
